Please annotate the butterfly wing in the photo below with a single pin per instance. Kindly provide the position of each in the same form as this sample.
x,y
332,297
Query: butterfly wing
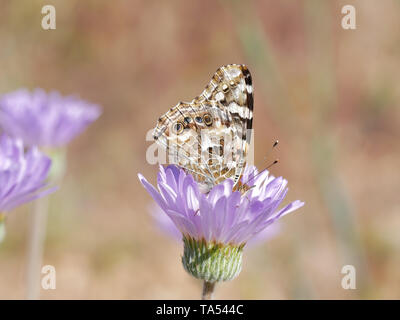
x,y
231,87
210,136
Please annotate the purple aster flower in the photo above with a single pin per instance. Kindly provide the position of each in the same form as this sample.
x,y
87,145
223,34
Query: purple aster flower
x,y
45,119
164,223
167,226
216,226
23,174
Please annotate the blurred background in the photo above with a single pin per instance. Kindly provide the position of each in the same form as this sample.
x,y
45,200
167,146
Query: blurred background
x,y
331,96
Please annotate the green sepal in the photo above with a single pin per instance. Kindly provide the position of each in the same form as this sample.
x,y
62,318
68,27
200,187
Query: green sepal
x,y
211,261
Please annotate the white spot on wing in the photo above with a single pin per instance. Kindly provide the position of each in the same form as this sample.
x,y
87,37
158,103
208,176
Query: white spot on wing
x,y
219,96
243,112
233,72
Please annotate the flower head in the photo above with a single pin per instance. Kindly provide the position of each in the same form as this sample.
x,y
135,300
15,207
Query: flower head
x,y
222,215
167,226
22,174
220,222
45,119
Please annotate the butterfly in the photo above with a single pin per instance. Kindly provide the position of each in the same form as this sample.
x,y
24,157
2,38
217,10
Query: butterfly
x,y
209,137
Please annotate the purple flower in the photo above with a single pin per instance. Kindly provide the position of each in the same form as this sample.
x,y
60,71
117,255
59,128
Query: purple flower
x,y
222,216
164,223
167,226
22,174
45,119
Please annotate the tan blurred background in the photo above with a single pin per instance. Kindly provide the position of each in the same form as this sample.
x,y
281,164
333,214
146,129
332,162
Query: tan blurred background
x,y
331,96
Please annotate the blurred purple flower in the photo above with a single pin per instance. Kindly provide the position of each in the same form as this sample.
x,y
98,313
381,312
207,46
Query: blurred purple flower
x,y
45,119
22,174
223,215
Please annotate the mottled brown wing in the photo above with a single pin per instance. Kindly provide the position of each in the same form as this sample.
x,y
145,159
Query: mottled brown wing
x,y
231,87
209,137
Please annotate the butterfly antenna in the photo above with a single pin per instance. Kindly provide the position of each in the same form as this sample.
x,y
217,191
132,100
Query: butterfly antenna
x,y
256,175
273,163
274,145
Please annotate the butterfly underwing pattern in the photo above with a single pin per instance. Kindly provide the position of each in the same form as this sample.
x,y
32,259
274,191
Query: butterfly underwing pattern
x,y
209,137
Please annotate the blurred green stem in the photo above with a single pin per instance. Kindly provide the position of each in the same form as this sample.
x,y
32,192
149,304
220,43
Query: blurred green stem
x,y
37,234
2,228
36,245
208,290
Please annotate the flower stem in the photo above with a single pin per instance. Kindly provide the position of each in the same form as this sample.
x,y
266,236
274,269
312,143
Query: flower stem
x,y
208,290
38,225
37,236
2,228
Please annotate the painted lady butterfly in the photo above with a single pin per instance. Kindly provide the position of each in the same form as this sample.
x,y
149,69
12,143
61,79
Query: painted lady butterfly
x,y
210,136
